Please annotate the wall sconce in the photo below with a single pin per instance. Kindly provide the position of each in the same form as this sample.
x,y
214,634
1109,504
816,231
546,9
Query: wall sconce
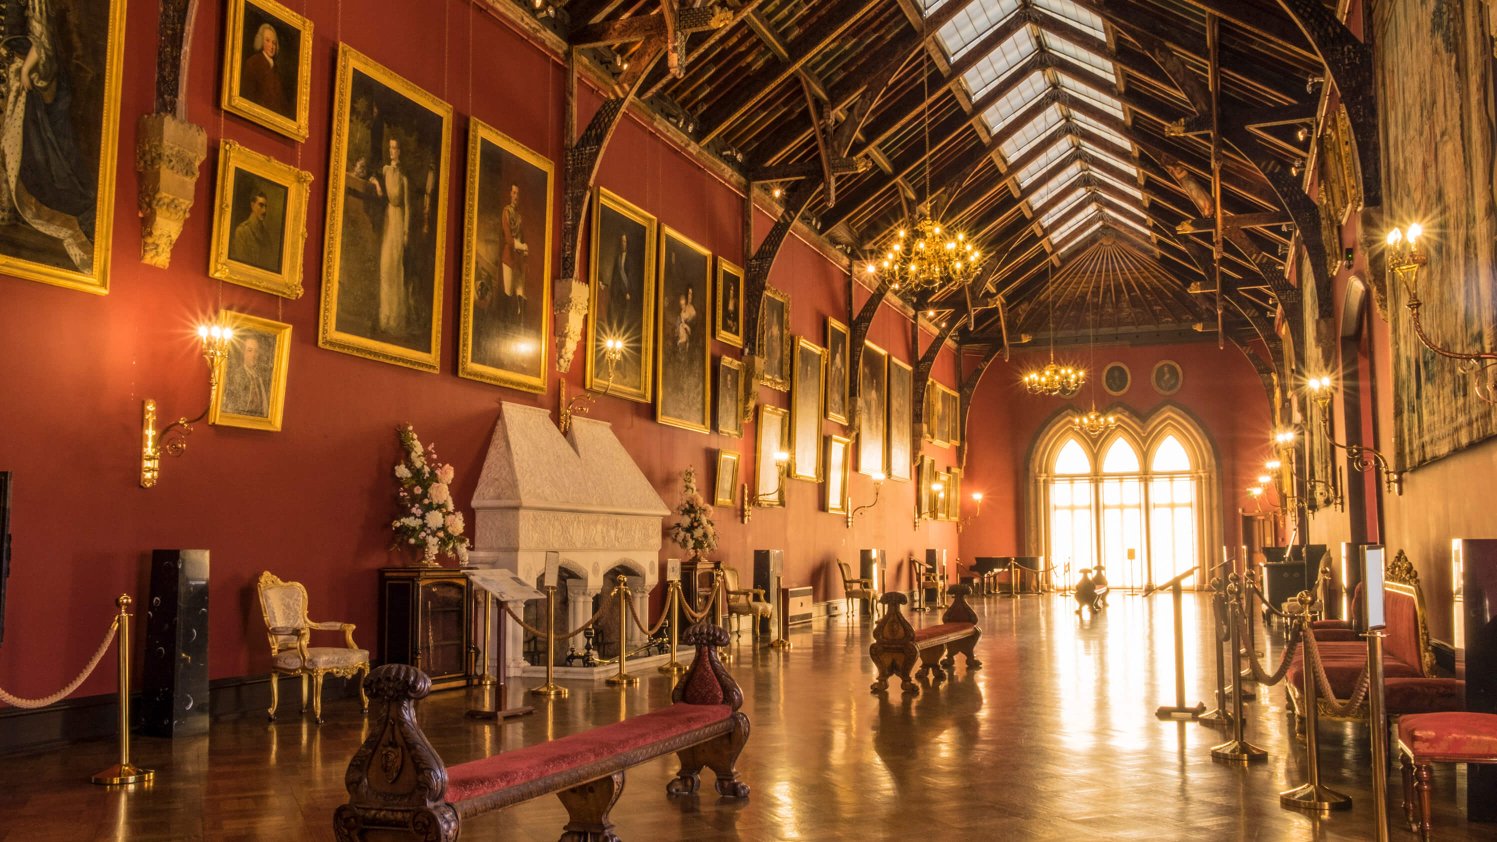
x,y
172,439
976,513
937,490
878,488
1362,458
1406,256
579,404
774,498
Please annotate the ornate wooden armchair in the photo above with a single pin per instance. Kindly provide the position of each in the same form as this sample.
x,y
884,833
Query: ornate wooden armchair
x,y
853,588
284,606
745,602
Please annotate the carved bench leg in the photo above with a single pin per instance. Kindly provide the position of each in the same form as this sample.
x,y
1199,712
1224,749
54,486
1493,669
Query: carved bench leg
x,y
1422,774
587,808
1408,792
435,824
930,662
722,758
967,646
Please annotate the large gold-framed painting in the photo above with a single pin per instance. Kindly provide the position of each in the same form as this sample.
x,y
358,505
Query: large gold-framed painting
x,y
683,395
506,313
771,439
805,409
621,285
729,396
252,375
836,371
386,217
259,221
774,339
901,393
873,392
267,69
58,140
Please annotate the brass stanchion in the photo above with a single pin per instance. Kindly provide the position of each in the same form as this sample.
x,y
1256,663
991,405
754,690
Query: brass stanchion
x,y
1237,749
720,614
673,601
622,678
486,678
1311,796
782,618
1013,579
1379,727
550,689
124,772
1218,716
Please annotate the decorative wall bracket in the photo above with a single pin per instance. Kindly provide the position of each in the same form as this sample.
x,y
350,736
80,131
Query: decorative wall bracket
x,y
172,439
167,154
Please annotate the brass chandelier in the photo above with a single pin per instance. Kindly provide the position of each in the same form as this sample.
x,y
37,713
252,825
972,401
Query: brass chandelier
x,y
1061,381
931,256
1094,423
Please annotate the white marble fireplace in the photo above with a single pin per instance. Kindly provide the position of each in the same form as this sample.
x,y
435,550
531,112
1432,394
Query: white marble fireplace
x,y
579,495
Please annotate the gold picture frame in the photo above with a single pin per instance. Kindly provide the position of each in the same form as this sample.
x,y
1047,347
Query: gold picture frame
x,y
621,277
901,392
774,339
838,473
255,84
259,222
505,333
770,437
57,247
252,380
807,387
729,396
838,349
725,483
872,414
727,306
368,306
683,387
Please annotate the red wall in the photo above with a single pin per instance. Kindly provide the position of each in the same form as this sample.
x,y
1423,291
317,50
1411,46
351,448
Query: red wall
x,y
1219,390
312,502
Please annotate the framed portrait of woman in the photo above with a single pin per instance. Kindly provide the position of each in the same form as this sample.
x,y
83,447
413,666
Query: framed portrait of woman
x,y
506,315
901,392
621,284
873,392
728,304
774,339
729,396
259,221
683,394
386,217
252,376
805,409
838,472
58,153
268,66
836,371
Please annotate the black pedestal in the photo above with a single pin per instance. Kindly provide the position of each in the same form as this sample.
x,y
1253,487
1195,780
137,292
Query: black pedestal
x,y
174,687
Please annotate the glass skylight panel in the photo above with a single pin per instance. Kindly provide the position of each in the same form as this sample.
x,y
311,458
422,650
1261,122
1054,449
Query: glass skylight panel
x,y
1075,237
1072,13
1063,179
1047,121
1109,153
1105,101
1120,186
1096,128
1118,219
1066,206
1057,150
1060,233
1082,57
971,23
1000,62
1029,89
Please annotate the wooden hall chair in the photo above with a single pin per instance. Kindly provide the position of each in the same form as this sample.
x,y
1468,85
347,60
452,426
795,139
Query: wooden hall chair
x,y
284,606
857,589
750,602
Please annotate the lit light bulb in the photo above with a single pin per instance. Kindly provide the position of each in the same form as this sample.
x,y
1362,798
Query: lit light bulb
x,y
977,496
1415,231
1273,464
777,192
879,477
871,268
1255,491
781,456
1264,479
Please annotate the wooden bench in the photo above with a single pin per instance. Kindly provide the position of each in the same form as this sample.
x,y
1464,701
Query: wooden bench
x,y
897,645
398,788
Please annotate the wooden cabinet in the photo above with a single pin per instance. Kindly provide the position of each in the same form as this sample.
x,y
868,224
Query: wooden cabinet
x,y
424,622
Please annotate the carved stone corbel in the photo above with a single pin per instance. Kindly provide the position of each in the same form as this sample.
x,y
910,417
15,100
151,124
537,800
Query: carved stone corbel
x,y
167,154
571,296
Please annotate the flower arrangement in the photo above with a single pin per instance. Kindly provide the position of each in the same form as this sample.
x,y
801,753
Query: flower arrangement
x,y
428,518
695,530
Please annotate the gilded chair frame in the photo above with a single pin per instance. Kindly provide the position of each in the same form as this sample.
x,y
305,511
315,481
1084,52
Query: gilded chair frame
x,y
857,588
299,639
742,602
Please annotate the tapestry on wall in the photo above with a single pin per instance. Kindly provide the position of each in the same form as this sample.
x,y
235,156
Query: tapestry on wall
x,y
1439,174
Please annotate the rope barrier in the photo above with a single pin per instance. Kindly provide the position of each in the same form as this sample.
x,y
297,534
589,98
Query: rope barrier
x,y
21,702
569,635
706,611
1261,675
1283,615
664,615
1335,706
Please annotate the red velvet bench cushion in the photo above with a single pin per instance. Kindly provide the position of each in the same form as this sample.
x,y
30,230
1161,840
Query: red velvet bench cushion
x,y
929,633
1459,736
1342,670
1424,695
467,782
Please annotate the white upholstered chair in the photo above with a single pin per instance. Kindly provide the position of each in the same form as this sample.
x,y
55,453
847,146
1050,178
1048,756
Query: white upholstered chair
x,y
284,606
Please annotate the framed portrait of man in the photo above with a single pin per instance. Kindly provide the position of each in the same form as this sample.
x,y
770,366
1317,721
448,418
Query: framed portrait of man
x,y
683,395
506,315
901,392
836,371
873,384
267,69
774,339
808,384
259,221
772,438
59,150
838,472
729,396
252,376
386,217
725,484
621,285
728,304
951,415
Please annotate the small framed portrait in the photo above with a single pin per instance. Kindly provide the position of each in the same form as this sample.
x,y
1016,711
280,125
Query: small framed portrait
x,y
925,491
836,371
838,472
873,386
621,284
506,312
901,415
729,396
951,415
268,66
386,217
728,305
683,395
1116,378
252,376
259,222
774,339
805,409
772,437
1167,377
725,484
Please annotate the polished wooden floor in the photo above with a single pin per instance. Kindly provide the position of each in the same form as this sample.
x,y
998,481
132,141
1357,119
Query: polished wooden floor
x,y
1054,738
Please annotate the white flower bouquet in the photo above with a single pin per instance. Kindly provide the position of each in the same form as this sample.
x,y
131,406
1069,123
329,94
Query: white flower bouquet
x,y
427,517
695,531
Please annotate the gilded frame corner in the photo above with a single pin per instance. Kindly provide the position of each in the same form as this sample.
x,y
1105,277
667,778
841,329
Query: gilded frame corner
x,y
286,283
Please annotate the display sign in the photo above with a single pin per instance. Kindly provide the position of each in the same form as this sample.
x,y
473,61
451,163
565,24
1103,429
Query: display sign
x,y
505,585
553,569
1372,585
673,570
